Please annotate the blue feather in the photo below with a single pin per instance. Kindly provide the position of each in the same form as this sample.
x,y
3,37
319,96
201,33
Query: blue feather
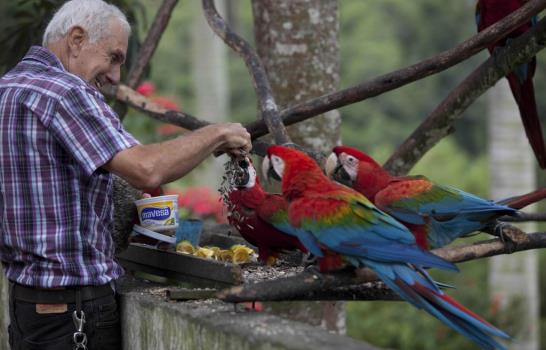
x,y
453,213
306,238
403,279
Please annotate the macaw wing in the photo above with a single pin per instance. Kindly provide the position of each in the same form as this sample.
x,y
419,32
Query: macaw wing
x,y
414,200
351,225
305,237
405,197
274,212
447,212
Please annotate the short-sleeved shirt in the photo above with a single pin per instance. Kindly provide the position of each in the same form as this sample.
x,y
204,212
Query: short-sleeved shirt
x,y
56,205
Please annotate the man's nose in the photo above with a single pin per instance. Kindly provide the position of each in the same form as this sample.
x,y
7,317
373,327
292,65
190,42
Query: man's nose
x,y
114,75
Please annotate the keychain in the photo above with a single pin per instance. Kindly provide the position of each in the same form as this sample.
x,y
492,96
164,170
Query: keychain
x,y
80,338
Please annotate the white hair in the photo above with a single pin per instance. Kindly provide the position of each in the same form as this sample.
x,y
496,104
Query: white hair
x,y
92,15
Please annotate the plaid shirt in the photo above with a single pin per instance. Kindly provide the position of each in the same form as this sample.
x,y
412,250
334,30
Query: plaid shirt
x,y
56,207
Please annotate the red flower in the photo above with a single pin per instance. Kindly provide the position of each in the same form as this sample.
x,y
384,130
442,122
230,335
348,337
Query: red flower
x,y
166,102
147,88
201,202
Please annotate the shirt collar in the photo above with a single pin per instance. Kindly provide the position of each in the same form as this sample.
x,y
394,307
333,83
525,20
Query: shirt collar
x,y
44,56
48,58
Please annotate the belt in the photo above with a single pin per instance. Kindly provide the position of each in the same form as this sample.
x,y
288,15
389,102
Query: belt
x,y
59,296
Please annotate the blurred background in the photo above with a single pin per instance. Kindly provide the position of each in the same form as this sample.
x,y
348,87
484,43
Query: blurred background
x,y
375,37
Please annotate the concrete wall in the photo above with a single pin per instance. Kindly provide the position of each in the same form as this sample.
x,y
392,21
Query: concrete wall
x,y
149,321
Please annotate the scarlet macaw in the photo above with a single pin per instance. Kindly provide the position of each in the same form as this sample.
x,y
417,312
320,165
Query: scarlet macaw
x,y
345,222
250,210
488,12
436,214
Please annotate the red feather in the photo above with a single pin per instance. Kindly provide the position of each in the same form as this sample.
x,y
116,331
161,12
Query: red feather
x,y
490,12
246,210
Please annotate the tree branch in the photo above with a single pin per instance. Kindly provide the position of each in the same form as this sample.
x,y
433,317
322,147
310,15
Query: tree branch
x,y
269,110
150,43
311,285
404,76
515,240
524,217
130,97
388,81
186,121
346,284
440,122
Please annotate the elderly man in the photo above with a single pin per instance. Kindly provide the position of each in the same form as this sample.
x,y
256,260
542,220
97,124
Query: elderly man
x,y
59,144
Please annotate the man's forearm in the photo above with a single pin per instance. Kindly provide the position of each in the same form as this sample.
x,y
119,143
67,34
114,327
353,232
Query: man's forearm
x,y
148,166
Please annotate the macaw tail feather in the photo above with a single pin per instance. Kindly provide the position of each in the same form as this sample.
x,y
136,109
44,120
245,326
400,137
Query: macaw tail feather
x,y
416,287
524,93
519,202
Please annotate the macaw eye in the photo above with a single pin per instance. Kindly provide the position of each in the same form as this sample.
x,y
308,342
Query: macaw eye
x,y
276,160
351,159
278,166
243,163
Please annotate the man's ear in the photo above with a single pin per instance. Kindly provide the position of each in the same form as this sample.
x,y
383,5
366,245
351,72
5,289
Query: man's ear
x,y
76,38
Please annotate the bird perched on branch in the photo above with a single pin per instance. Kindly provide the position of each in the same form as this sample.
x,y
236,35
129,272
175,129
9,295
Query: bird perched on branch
x,y
488,12
435,214
252,210
345,222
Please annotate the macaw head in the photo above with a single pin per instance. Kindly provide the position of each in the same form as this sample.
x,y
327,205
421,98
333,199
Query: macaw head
x,y
357,170
345,163
244,174
282,162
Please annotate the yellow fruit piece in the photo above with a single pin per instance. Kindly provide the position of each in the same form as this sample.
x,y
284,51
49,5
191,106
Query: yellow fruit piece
x,y
242,254
215,252
238,247
204,253
225,255
185,247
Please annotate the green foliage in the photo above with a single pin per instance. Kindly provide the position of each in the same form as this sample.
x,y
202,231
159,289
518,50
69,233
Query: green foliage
x,y
378,37
22,25
171,71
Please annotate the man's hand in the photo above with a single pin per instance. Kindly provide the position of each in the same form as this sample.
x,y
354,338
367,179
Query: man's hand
x,y
235,140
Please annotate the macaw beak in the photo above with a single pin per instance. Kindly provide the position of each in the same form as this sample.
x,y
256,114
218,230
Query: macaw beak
x,y
240,175
332,165
266,164
268,171
334,169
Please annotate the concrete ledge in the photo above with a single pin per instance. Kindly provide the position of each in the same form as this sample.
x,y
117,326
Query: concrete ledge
x,y
149,321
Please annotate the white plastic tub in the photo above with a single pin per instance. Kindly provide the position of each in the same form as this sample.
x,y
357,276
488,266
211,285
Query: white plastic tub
x,y
158,213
